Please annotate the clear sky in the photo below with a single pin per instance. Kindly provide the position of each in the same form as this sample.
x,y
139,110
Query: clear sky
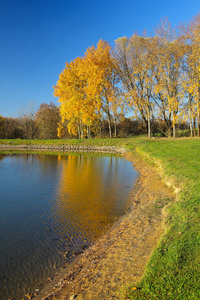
x,y
37,37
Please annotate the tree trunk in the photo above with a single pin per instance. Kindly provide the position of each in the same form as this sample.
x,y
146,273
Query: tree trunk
x,y
174,130
194,125
191,129
109,126
109,117
149,121
88,131
82,134
190,115
115,126
100,130
79,135
81,129
174,125
198,112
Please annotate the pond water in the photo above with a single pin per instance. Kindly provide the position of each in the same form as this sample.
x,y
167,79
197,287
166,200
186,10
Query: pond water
x,y
51,208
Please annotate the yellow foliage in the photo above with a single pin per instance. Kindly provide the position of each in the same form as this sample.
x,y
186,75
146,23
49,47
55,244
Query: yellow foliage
x,y
87,86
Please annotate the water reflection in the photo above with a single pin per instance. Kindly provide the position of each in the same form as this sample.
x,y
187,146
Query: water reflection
x,y
89,195
50,204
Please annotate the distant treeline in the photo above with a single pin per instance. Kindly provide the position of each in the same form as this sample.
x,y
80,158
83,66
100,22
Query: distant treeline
x,y
43,124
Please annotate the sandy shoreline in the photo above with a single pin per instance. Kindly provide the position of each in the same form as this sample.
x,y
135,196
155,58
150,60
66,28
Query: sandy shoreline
x,y
119,257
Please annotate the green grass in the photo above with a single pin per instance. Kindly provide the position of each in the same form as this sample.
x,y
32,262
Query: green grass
x,y
95,142
173,271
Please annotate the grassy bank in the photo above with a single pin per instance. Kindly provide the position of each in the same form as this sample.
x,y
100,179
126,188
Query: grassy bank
x,y
173,271
97,142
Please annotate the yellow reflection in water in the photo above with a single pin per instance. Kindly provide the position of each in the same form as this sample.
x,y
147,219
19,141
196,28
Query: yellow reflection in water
x,y
85,204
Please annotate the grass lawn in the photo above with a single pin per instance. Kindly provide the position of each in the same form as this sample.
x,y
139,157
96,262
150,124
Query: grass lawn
x,y
173,271
95,142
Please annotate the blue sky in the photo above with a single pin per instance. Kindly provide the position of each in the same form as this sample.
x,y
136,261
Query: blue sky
x,y
38,36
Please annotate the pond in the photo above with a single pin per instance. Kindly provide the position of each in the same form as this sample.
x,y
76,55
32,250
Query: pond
x,y
51,208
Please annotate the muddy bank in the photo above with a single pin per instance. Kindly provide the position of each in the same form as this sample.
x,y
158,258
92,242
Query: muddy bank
x,y
119,257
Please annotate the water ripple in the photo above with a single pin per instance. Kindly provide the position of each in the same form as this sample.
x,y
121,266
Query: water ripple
x,y
53,204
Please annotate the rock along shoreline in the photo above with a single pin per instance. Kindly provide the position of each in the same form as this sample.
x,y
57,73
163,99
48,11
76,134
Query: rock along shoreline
x,y
66,148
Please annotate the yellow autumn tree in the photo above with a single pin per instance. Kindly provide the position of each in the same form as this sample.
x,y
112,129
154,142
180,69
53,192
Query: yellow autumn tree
x,y
101,74
86,89
192,69
170,56
135,58
76,107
